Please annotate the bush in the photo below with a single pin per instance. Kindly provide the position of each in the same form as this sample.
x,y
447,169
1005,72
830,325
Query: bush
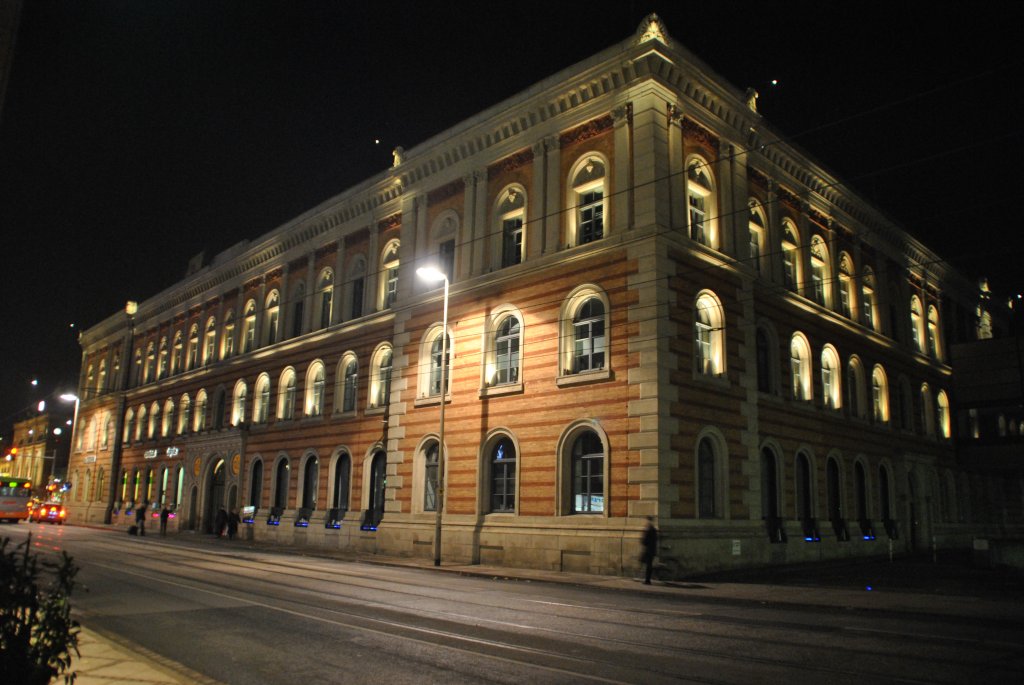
x,y
37,633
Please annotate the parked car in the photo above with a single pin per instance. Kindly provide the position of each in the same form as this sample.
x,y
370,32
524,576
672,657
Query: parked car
x,y
51,512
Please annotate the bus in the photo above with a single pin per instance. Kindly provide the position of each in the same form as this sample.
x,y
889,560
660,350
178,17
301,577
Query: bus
x,y
15,496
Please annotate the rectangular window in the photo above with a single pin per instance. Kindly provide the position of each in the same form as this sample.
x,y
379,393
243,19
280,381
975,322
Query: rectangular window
x,y
591,216
818,282
588,352
512,249
697,218
789,267
703,348
755,250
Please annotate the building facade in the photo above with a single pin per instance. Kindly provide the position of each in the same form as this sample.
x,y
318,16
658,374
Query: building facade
x,y
657,308
40,449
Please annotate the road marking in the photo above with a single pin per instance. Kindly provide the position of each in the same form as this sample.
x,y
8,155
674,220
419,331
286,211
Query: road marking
x,y
931,636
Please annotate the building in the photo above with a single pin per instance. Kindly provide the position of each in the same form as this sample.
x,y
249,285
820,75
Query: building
x,y
657,308
40,449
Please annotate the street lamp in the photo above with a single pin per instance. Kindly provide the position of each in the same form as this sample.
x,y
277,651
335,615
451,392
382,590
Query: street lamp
x,y
72,397
431,274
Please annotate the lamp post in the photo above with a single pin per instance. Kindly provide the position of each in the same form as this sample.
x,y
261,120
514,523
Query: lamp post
x,y
432,274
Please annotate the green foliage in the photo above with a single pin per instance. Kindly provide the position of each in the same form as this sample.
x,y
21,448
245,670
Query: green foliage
x,y
37,633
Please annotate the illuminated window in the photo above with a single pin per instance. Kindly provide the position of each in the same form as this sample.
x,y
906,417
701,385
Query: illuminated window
x,y
942,409
129,425
855,388
389,274
184,414
154,421
430,362
879,396
790,256
168,419
701,200
162,360
511,215
178,353
584,340
800,367
916,324
272,319
933,332
756,230
830,378
210,342
846,285
380,381
927,410
868,303
821,276
147,373
589,197
502,472
228,339
709,328
238,403
348,378
199,418
101,379
261,399
315,389
249,327
325,297
286,395
192,359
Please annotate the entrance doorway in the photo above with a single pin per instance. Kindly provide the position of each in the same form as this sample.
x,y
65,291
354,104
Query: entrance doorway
x,y
214,495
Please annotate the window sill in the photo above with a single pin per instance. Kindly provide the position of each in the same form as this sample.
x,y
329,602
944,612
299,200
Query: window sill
x,y
584,378
375,411
500,390
719,379
431,400
350,414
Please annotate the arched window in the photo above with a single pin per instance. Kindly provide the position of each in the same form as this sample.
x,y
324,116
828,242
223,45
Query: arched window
x,y
860,494
256,484
834,486
756,230
380,381
348,383
184,414
210,342
101,378
389,275
430,475
147,373
161,364
154,419
503,359
342,479
376,491
249,327
846,285
804,485
325,297
771,507
261,400
589,349
168,421
239,397
588,197
199,418
831,391
934,348
867,302
430,363
879,395
192,353
588,496
700,193
821,272
281,484
227,341
916,323
942,409
856,392
502,469
310,481
800,367
272,318
286,395
790,255
298,309
708,499
884,494
130,427
510,219
927,410
315,389
709,335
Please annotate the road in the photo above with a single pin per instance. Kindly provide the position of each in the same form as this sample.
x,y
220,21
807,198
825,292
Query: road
x,y
245,616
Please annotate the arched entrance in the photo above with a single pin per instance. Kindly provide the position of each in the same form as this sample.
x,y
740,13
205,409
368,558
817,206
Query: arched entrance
x,y
214,495
378,484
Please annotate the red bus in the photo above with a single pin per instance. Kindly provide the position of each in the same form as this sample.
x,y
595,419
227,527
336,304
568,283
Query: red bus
x,y
15,495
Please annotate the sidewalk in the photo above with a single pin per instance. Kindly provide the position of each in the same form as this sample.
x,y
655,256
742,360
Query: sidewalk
x,y
107,661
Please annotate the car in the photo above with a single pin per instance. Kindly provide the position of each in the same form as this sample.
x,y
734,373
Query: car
x,y
51,512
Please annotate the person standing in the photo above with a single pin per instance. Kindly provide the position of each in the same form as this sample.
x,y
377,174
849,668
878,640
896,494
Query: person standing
x,y
650,545
140,518
233,521
164,515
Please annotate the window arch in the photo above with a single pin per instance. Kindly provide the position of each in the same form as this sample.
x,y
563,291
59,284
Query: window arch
x,y
161,364
584,340
916,323
503,348
199,418
831,386
261,399
167,424
153,417
430,363
325,297
431,472
821,272
256,484
771,494
709,335
927,410
709,476
210,342
499,474
129,425
757,228
239,397
192,351
790,255
583,470
933,340
846,293
341,490
147,373
376,480
380,376
868,304
184,414
942,411
800,367
879,395
856,392
510,220
281,483
347,384
249,327
588,198
310,481
286,394
272,318
101,378
227,341
702,202
388,290
314,396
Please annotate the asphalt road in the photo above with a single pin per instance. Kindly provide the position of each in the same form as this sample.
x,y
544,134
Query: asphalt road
x,y
244,616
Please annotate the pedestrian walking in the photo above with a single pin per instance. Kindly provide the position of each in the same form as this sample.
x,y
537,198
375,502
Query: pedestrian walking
x,y
220,521
140,518
233,521
165,514
650,545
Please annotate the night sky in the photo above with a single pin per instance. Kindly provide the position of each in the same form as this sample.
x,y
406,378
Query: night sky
x,y
137,134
